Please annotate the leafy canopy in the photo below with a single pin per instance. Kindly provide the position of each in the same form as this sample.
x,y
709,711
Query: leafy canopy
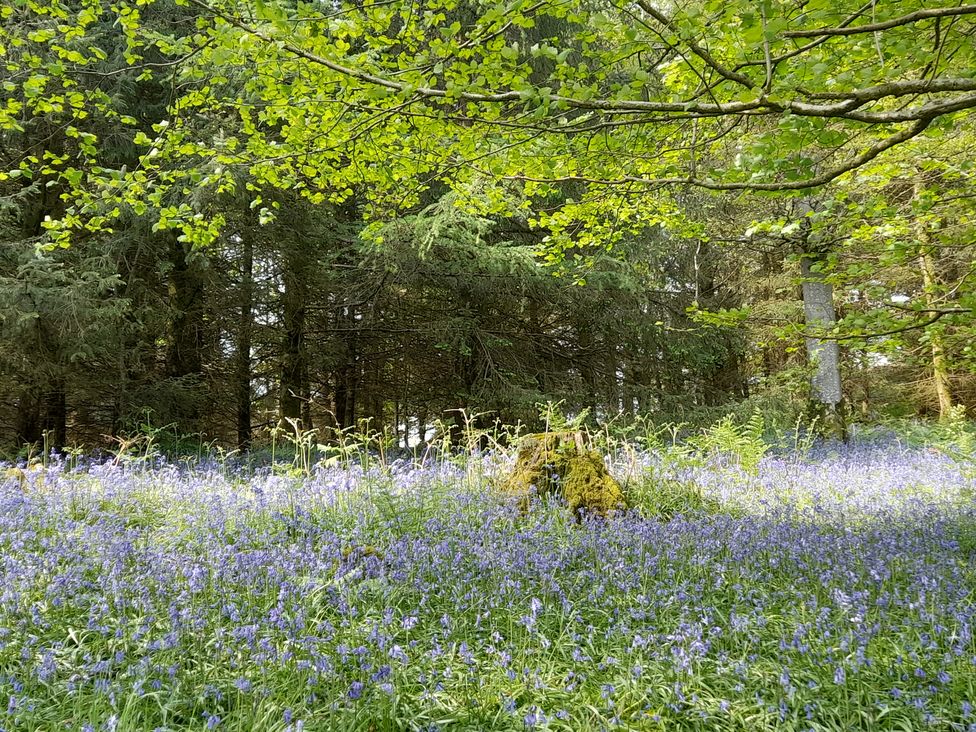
x,y
614,98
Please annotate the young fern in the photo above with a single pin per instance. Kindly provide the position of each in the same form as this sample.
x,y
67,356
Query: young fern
x,y
744,443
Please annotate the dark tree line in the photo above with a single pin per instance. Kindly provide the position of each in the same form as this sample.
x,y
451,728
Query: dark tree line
x,y
303,323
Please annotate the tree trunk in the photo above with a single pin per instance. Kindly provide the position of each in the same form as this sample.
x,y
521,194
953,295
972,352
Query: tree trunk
x,y
347,374
184,356
28,426
293,366
824,355
56,415
243,366
341,408
940,371
587,357
376,412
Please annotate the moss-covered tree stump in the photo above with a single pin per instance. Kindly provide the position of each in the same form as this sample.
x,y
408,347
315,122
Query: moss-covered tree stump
x,y
560,464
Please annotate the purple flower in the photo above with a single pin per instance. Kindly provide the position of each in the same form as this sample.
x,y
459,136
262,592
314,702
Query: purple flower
x,y
534,717
865,541
355,690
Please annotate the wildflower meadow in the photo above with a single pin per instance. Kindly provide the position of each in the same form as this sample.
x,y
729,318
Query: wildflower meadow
x,y
829,590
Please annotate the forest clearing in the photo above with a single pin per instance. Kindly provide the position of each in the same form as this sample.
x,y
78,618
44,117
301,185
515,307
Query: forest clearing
x,y
487,365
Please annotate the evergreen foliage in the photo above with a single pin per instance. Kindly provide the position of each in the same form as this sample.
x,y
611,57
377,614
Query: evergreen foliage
x,y
229,218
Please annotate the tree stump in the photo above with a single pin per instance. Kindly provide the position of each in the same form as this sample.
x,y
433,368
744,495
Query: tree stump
x,y
560,464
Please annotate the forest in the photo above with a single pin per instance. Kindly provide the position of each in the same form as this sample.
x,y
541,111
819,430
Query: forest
x,y
475,365
223,220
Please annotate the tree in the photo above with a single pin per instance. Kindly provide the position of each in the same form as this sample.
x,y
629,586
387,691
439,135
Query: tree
x,y
342,209
727,96
906,261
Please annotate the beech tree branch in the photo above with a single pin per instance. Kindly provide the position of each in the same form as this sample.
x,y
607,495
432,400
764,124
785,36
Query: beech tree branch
x,y
813,44
884,24
837,105
796,185
936,313
900,88
702,53
841,108
880,334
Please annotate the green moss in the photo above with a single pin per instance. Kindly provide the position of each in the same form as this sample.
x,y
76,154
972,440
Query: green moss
x,y
560,464
587,485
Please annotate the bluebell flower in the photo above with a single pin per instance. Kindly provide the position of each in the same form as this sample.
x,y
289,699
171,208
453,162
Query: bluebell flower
x,y
355,690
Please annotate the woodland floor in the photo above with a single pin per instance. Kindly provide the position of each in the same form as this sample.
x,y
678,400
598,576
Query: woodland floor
x,y
834,590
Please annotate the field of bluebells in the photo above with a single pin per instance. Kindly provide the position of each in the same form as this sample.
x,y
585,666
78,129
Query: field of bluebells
x,y
831,591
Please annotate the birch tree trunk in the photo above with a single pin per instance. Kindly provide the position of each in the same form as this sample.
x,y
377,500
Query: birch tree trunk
x,y
823,354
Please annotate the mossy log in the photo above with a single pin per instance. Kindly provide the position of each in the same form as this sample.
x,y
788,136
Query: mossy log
x,y
560,464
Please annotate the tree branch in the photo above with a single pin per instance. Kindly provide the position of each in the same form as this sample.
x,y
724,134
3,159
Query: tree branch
x,y
842,108
813,44
895,331
936,313
900,88
884,24
702,53
798,185
836,105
